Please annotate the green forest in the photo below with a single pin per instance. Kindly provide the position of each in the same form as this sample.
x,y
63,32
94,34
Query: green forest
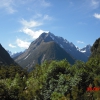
x,y
53,80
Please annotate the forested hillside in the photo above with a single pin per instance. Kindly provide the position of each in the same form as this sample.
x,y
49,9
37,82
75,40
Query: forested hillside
x,y
54,80
5,58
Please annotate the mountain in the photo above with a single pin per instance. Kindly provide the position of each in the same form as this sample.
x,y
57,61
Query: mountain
x,y
5,58
36,51
10,53
14,55
95,49
69,47
86,50
94,59
41,50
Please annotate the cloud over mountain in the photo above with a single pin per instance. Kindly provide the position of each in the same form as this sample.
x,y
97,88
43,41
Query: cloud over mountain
x,y
22,44
80,42
12,46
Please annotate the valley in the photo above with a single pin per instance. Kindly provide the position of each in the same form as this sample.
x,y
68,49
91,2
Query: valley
x,y
52,73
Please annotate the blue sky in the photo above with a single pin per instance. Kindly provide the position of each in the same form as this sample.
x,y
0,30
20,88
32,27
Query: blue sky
x,y
22,21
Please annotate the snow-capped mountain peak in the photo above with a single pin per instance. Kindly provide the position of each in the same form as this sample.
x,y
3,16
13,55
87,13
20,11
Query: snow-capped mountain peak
x,y
86,50
82,51
52,36
66,41
69,47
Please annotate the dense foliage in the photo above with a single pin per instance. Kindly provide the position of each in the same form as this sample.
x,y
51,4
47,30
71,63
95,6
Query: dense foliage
x,y
55,80
96,49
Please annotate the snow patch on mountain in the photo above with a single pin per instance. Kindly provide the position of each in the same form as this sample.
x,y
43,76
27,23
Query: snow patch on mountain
x,y
83,51
43,58
61,46
66,41
52,37
26,57
71,44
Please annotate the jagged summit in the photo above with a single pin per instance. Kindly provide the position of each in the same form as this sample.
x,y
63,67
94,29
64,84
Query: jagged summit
x,y
86,50
37,51
41,52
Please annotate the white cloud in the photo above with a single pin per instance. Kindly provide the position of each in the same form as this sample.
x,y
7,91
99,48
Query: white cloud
x,y
22,44
44,3
97,16
42,17
95,3
33,34
47,17
30,24
12,46
11,5
80,42
29,27
7,5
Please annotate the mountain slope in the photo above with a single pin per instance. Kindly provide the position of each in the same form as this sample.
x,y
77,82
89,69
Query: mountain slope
x,y
69,47
95,50
94,60
86,50
5,58
9,52
14,55
41,51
